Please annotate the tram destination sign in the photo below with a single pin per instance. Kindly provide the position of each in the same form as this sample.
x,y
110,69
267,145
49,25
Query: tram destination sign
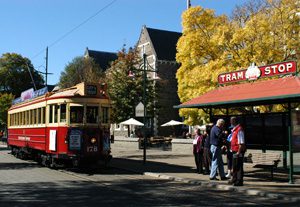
x,y
91,90
254,72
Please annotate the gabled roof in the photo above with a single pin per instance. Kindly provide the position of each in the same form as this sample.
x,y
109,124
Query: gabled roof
x,y
101,58
279,90
164,43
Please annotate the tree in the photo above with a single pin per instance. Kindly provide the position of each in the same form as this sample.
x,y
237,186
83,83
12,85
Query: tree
x,y
259,31
15,76
200,53
125,91
5,103
81,69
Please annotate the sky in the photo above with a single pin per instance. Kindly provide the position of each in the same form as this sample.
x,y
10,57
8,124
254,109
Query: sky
x,y
68,27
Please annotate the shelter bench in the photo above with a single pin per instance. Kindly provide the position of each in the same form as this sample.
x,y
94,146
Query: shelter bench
x,y
267,160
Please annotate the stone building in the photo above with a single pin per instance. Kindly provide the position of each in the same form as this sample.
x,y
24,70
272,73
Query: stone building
x,y
160,49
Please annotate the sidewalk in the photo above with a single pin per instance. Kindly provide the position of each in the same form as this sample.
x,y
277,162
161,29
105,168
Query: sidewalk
x,y
180,167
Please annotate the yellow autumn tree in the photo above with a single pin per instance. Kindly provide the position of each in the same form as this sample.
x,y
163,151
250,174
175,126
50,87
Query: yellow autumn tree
x,y
261,31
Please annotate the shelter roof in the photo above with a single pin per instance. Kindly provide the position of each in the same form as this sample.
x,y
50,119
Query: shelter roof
x,y
252,93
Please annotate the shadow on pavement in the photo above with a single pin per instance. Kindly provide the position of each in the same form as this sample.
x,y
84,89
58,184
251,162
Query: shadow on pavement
x,y
169,156
17,166
150,166
121,193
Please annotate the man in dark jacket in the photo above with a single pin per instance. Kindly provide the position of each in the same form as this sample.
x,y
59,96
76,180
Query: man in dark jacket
x,y
216,141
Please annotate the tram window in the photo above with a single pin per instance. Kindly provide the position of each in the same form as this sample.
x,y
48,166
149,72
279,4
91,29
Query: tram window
x,y
30,117
56,107
39,116
26,118
11,119
23,118
34,116
43,115
18,119
76,114
63,112
104,114
51,118
91,114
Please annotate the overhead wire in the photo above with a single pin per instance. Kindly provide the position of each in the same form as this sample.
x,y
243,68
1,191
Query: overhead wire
x,y
76,27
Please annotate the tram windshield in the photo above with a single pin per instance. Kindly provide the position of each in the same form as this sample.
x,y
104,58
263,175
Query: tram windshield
x,y
76,114
91,114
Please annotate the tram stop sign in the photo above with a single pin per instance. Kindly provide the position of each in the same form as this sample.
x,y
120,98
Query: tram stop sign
x,y
139,110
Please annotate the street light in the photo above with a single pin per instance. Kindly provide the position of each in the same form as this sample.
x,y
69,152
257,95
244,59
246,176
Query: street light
x,y
131,74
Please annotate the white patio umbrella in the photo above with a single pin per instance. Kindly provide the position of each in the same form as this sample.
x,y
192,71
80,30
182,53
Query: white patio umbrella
x,y
172,123
132,121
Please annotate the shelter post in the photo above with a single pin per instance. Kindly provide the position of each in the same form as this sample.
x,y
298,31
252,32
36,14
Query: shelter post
x,y
284,152
291,180
210,115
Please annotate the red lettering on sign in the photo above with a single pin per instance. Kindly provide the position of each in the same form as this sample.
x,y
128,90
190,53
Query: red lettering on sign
x,y
266,71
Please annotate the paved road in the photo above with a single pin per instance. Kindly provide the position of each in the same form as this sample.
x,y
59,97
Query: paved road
x,y
24,183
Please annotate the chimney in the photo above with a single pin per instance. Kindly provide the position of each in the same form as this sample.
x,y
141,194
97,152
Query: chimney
x,y
188,4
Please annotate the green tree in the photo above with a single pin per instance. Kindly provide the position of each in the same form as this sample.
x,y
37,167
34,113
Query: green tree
x,y
15,76
125,91
5,103
81,69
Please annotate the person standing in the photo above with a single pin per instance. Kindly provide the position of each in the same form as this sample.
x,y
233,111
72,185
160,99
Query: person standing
x,y
216,141
206,150
229,152
238,149
198,150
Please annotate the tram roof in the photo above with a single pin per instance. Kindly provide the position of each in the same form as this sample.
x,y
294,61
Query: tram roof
x,y
81,89
265,92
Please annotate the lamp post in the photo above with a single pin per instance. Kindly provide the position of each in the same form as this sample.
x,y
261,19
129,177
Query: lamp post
x,y
145,103
144,70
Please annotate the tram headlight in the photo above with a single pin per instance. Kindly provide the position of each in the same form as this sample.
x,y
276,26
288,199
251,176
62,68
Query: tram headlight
x,y
93,140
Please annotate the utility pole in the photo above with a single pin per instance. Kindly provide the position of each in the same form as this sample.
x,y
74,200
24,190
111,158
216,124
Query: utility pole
x,y
188,4
46,73
46,65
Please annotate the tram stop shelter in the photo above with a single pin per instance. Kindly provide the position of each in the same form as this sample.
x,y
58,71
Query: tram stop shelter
x,y
270,130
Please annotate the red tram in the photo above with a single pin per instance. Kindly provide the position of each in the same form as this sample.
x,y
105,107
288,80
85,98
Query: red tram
x,y
64,126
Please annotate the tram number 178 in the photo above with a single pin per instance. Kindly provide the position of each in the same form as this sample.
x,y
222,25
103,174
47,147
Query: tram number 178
x,y
92,149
